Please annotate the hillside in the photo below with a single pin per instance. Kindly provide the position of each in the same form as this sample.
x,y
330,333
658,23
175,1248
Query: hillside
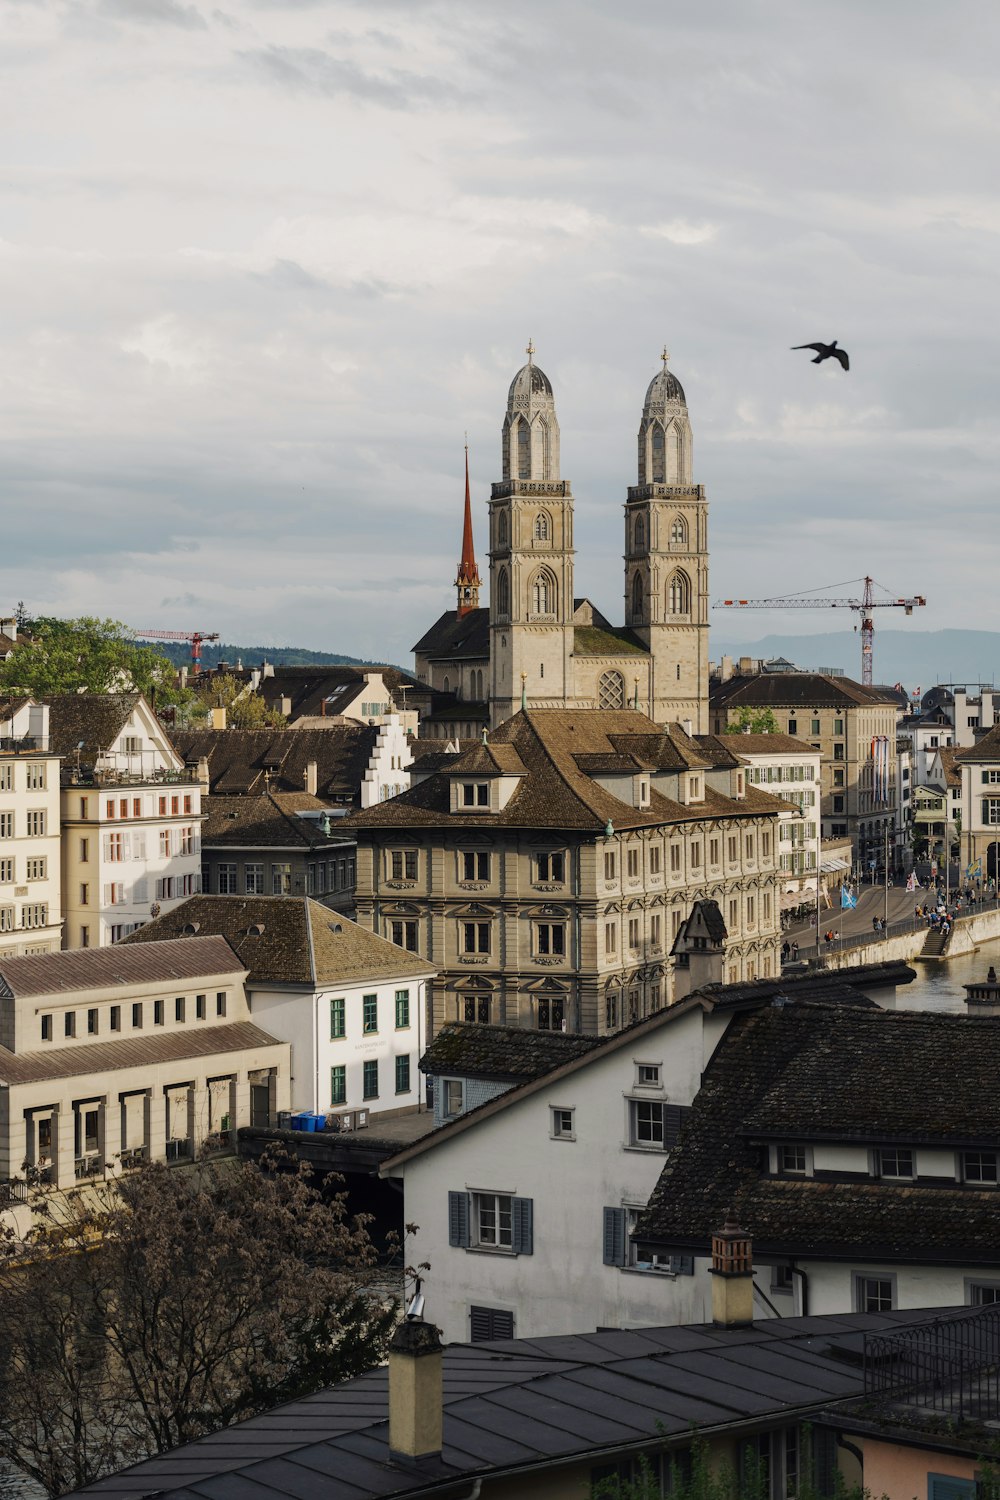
x,y
252,656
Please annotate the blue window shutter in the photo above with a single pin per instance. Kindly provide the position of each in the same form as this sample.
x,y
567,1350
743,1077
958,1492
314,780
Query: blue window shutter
x,y
458,1220
946,1487
522,1226
682,1265
614,1236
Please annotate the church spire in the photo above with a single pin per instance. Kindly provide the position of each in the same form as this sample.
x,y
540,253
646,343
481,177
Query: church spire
x,y
467,581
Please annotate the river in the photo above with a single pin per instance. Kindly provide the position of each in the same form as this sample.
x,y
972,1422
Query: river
x,y
938,986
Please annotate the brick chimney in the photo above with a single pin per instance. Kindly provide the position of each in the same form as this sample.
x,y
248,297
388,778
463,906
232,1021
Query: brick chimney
x,y
416,1406
732,1276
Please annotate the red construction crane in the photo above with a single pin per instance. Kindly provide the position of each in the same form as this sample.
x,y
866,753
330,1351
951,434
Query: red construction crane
x,y
864,605
194,636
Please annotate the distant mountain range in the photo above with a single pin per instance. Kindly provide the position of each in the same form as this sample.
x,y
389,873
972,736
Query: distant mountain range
x,y
252,656
916,658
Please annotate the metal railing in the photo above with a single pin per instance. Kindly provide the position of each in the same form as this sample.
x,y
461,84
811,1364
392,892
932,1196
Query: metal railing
x,y
104,776
13,1190
90,1165
902,928
950,1365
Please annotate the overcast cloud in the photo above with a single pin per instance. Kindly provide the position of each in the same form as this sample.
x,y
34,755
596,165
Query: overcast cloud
x,y
263,264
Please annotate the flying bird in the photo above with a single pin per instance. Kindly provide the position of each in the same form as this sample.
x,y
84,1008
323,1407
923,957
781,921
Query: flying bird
x,y
825,351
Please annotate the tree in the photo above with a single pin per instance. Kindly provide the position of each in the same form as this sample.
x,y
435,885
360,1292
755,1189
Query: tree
x,y
245,709
174,1303
96,656
756,720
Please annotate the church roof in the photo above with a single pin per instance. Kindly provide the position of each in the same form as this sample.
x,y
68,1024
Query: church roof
x,y
466,636
529,381
614,640
663,387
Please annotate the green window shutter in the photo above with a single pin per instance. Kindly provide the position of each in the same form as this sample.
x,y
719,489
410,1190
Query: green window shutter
x,y
523,1231
402,1075
338,1085
614,1237
458,1220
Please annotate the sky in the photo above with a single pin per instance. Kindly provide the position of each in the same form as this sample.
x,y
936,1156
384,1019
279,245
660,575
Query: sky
x,y
264,263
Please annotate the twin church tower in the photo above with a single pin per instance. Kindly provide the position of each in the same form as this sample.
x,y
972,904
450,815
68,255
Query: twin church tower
x,y
537,645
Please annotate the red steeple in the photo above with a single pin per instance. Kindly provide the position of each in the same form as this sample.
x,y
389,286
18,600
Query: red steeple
x,y
468,581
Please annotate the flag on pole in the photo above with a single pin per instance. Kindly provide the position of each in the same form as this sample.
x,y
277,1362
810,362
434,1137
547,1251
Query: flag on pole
x,y
911,884
846,898
974,870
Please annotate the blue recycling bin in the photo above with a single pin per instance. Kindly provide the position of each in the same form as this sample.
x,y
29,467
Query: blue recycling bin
x,y
301,1122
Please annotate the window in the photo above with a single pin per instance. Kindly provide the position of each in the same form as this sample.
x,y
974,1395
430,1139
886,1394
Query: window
x,y
6,825
792,1160
561,1125
404,935
647,1075
982,1293
793,726
476,1008
46,1028
543,594
475,937
647,1122
782,1279
654,859
609,864
475,864
69,1023
838,726
551,867
402,1009
550,939
220,1002
115,1018
611,690
92,1023
550,1012
874,1293
370,1078
226,879
281,880
179,1008
815,727
452,1096
487,1324
493,1220
655,924
6,871
991,813
679,594
36,869
765,843
199,1007
894,1161
157,1012
404,864
369,1013
475,794
402,1075
6,777
35,915
541,527
115,846
632,863
137,1017
991,778
678,531
633,932
979,1166
839,752
338,1085
253,880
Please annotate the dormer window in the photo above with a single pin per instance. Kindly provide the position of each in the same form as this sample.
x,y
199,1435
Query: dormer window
x,y
475,794
793,1160
695,788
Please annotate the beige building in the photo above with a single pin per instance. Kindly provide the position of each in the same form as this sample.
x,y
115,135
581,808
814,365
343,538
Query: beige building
x,y
978,768
30,908
131,817
146,1052
546,874
854,730
537,645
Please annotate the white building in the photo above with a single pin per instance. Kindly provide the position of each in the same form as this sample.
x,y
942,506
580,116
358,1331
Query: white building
x,y
108,1058
131,817
30,911
788,768
352,1006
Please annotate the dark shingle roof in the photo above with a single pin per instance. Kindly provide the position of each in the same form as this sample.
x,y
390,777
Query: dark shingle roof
x,y
454,635
89,722
986,749
285,940
132,1052
522,1405
794,690
97,968
502,1052
249,760
309,687
814,1071
267,822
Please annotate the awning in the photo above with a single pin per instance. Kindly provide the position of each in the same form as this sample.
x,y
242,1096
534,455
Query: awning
x,y
835,862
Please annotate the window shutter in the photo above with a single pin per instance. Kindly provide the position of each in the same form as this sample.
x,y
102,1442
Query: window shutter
x,y
825,1460
682,1265
522,1227
674,1118
126,846
945,1487
488,1323
458,1220
614,1236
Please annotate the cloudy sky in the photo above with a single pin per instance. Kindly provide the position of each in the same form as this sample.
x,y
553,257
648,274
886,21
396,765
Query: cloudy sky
x,y
263,262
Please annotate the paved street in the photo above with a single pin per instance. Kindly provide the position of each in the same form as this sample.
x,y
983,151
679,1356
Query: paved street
x,y
871,903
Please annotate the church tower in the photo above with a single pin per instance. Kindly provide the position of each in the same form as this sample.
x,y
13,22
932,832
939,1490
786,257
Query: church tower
x,y
666,558
467,581
531,556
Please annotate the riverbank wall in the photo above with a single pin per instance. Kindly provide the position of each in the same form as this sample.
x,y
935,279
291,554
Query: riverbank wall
x,y
968,933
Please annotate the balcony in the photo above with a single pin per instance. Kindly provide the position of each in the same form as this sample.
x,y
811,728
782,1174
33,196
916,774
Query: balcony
x,y
942,1371
104,776
132,1156
90,1165
13,1190
179,1150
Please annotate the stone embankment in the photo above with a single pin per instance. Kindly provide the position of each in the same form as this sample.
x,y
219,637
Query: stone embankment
x,y
968,932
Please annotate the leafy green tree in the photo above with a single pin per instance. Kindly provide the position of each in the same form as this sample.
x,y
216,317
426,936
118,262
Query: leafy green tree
x,y
95,656
245,709
756,720
174,1303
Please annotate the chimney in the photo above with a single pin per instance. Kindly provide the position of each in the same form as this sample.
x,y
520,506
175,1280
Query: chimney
x,y
416,1405
204,779
310,777
286,705
183,674
687,727
732,1276
218,718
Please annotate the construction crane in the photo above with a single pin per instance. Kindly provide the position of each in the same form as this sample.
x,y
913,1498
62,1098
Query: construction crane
x,y
196,637
864,606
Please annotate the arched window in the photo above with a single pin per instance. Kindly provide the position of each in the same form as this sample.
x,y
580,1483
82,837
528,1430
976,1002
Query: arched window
x,y
611,690
523,450
503,594
637,597
679,594
678,532
658,459
672,455
639,534
542,527
446,686
502,529
543,594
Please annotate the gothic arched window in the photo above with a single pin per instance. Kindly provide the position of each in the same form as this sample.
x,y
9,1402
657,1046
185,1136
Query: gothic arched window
x,y
678,532
503,594
611,690
637,597
679,594
502,529
542,528
543,594
659,475
523,450
639,534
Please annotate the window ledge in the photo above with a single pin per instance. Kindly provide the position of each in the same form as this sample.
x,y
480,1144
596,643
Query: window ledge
x,y
647,1150
648,1271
